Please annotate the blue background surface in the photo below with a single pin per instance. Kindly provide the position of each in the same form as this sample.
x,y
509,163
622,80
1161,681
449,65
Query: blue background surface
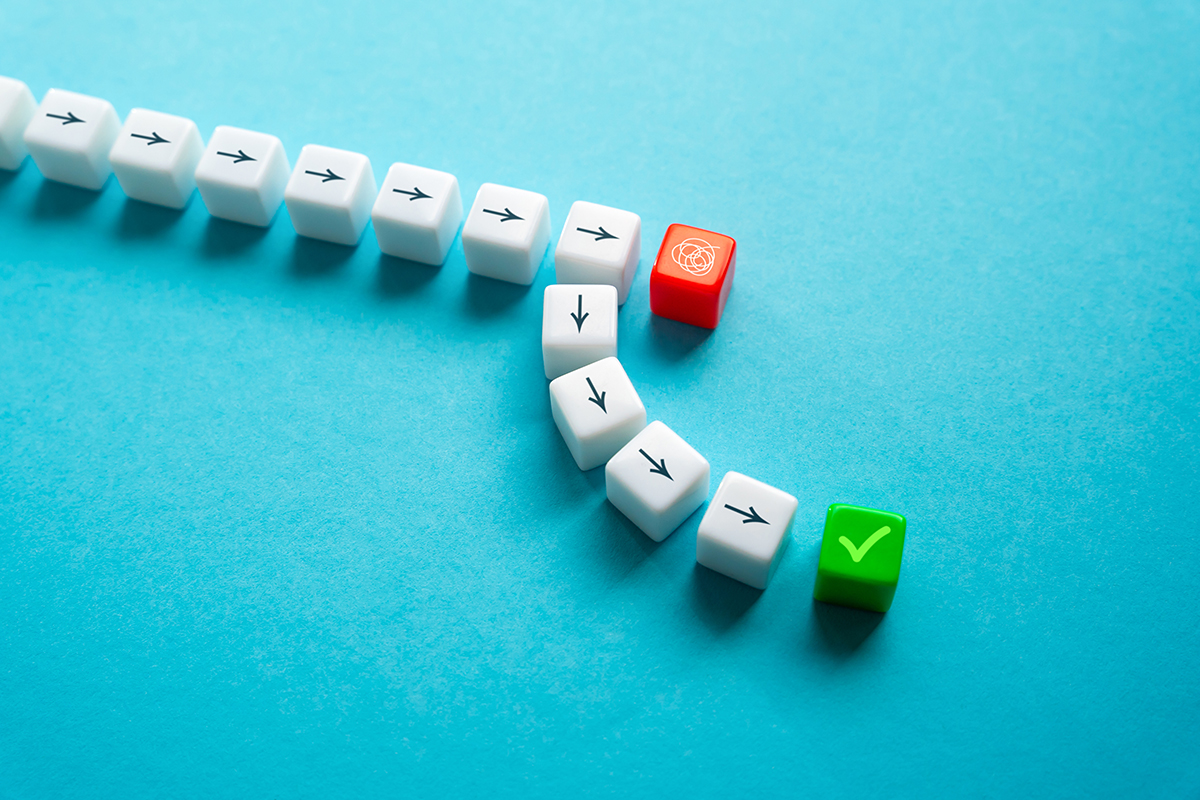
x,y
286,519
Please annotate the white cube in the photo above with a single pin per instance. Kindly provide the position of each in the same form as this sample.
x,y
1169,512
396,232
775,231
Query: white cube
x,y
597,411
745,530
599,245
579,326
16,110
155,157
69,138
657,480
329,194
417,213
506,233
242,175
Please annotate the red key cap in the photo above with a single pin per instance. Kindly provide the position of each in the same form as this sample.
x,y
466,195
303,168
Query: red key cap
x,y
692,275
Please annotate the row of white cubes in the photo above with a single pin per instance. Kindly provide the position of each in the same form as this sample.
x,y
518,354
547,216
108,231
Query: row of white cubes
x,y
651,474
244,176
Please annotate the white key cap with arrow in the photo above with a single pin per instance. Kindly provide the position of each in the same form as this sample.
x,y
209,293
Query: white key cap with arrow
x,y
17,107
242,175
597,411
155,157
599,245
417,213
657,480
330,193
70,136
745,530
579,327
506,233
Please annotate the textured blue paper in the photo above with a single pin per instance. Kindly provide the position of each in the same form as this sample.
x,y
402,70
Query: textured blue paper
x,y
282,519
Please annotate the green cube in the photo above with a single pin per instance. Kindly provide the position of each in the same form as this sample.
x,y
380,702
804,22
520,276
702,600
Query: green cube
x,y
860,557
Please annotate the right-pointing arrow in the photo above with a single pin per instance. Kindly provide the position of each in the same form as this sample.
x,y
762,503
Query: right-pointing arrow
x,y
68,119
327,176
237,157
658,468
751,517
600,234
416,194
504,215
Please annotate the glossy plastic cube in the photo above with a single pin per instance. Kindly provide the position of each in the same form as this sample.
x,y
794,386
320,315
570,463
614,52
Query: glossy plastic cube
x,y
692,275
579,326
860,557
745,530
16,110
242,175
417,213
599,244
70,137
657,480
155,157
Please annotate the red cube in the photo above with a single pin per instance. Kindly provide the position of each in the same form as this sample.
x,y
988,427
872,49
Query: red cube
x,y
692,275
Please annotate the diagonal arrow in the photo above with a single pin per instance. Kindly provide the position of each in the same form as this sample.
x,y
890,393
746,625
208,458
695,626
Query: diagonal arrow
x,y
68,119
155,139
660,469
600,234
751,517
237,157
580,317
416,193
597,397
328,175
505,216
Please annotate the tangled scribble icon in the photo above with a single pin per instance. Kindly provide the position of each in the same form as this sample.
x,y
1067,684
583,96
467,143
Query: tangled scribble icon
x,y
695,256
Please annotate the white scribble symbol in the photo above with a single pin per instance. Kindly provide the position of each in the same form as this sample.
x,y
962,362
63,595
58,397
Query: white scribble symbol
x,y
695,256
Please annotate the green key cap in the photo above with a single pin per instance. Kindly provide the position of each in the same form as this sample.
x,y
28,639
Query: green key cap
x,y
860,557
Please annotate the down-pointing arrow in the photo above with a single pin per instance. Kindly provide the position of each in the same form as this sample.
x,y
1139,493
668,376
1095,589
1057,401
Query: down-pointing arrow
x,y
580,316
597,397
751,517
659,469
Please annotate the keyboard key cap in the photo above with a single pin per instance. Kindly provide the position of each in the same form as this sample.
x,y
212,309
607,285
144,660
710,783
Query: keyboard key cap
x,y
579,326
155,157
859,564
70,136
599,245
597,411
242,175
330,193
692,276
657,480
417,213
17,107
506,233
745,530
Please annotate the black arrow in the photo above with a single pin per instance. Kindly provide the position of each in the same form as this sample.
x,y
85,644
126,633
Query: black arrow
x,y
328,175
580,317
751,517
155,139
600,234
416,193
237,157
598,397
661,469
68,119
505,216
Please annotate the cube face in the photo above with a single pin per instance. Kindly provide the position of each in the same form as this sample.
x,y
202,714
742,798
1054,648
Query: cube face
x,y
657,480
579,326
417,213
506,233
599,245
860,557
330,193
692,275
17,107
155,157
745,530
597,411
70,137
242,175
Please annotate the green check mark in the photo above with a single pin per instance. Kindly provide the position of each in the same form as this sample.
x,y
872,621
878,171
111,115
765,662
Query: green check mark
x,y
857,553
